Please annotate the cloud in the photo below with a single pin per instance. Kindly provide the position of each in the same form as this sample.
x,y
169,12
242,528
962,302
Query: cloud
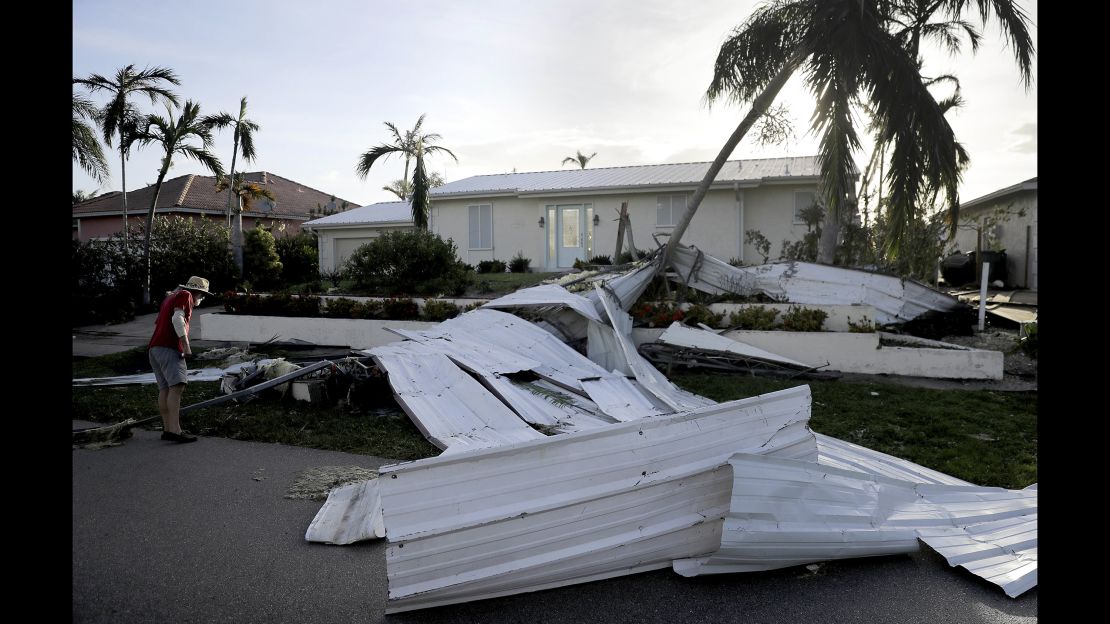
x,y
1027,143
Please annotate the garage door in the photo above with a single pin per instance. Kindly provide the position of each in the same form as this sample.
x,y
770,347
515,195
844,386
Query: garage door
x,y
344,247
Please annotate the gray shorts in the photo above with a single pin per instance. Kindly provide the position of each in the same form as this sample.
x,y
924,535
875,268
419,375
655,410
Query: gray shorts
x,y
169,366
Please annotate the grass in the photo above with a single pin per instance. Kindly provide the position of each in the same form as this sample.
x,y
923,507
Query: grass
x,y
497,284
984,437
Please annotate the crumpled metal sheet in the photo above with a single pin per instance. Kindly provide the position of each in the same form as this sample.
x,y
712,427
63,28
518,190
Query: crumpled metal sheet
x,y
847,456
352,513
569,509
681,336
785,512
544,296
196,374
626,287
448,406
1003,552
619,398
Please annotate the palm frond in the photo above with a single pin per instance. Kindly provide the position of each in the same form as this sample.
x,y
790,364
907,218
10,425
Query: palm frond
x,y
367,160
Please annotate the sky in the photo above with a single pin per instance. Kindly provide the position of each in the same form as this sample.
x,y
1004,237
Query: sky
x,y
509,85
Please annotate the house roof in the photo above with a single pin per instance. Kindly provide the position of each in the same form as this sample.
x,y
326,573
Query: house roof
x,y
1028,185
197,192
381,212
755,170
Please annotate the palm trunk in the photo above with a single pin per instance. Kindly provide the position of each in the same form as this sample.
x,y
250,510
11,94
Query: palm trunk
x,y
830,231
231,182
759,106
237,237
123,184
150,227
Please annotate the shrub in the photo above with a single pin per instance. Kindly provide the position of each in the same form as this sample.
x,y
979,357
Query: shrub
x,y
519,264
274,305
601,260
413,261
299,258
400,309
803,319
1029,340
339,307
864,326
628,257
491,266
436,310
261,265
756,318
657,315
700,313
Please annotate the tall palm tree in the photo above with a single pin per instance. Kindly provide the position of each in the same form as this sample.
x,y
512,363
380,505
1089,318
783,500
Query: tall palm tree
x,y
402,188
173,136
243,143
245,194
119,118
413,145
86,148
581,159
850,54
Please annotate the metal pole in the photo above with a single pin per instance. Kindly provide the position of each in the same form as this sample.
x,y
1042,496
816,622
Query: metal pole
x,y
983,295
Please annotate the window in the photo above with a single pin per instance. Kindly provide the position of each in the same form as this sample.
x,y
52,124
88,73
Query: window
x,y
669,209
803,200
481,226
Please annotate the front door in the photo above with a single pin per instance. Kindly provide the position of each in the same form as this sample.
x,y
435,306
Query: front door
x,y
570,234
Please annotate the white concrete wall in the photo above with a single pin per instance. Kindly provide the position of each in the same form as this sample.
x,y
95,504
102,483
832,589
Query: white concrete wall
x,y
354,333
715,229
1015,235
861,353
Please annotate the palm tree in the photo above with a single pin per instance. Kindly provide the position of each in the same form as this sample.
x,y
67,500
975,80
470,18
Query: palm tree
x,y
82,196
245,193
243,143
402,188
850,55
173,136
580,160
413,145
86,147
120,118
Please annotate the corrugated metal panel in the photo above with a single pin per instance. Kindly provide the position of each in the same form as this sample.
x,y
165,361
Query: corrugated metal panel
x,y
847,456
617,397
569,509
785,512
648,376
1003,552
748,171
352,513
681,336
895,299
544,296
382,212
196,374
627,287
448,406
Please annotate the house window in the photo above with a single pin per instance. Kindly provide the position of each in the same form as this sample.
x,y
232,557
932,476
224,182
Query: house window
x,y
481,226
803,200
669,208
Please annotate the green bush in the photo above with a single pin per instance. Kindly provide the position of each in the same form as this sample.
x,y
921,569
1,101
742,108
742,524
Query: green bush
x,y
601,260
519,264
400,309
491,266
803,319
261,265
756,318
436,310
700,313
339,307
414,261
273,305
299,257
628,257
1029,340
864,326
657,315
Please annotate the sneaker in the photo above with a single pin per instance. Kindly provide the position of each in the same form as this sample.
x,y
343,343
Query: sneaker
x,y
180,438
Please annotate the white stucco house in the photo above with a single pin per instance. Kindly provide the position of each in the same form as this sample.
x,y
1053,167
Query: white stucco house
x,y
557,217
1007,220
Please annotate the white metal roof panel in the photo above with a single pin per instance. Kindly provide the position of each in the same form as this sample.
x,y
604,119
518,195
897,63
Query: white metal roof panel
x,y
680,335
1003,552
617,397
447,405
749,171
352,513
847,456
382,212
543,296
572,508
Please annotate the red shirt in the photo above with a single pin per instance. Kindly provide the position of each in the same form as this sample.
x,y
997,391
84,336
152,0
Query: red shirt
x,y
164,334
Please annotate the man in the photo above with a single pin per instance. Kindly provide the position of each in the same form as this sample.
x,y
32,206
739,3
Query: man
x,y
167,350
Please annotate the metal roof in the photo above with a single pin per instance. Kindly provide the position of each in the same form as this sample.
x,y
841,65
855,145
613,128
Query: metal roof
x,y
381,212
1028,185
567,509
352,513
680,335
750,171
1003,552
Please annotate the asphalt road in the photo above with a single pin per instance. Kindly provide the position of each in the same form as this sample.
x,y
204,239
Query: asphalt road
x,y
201,533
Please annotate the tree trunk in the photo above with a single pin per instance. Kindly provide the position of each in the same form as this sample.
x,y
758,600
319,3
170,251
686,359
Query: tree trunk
x,y
150,227
237,237
759,106
231,183
123,185
830,231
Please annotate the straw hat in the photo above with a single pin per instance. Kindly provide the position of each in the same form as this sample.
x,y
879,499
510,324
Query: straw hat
x,y
198,284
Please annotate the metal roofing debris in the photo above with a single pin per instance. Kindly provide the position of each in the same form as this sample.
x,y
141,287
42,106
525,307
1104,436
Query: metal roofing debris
x,y
568,509
196,374
546,295
785,512
845,455
352,513
1003,552
617,397
681,336
895,299
448,406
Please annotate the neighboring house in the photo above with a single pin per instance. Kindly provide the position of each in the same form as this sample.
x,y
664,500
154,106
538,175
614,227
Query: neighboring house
x,y
1006,220
338,235
556,217
195,195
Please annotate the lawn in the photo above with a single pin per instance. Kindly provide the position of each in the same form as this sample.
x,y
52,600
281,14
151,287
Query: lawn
x,y
981,436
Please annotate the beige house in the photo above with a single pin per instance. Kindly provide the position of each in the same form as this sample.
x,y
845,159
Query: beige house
x,y
339,235
556,217
1004,220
